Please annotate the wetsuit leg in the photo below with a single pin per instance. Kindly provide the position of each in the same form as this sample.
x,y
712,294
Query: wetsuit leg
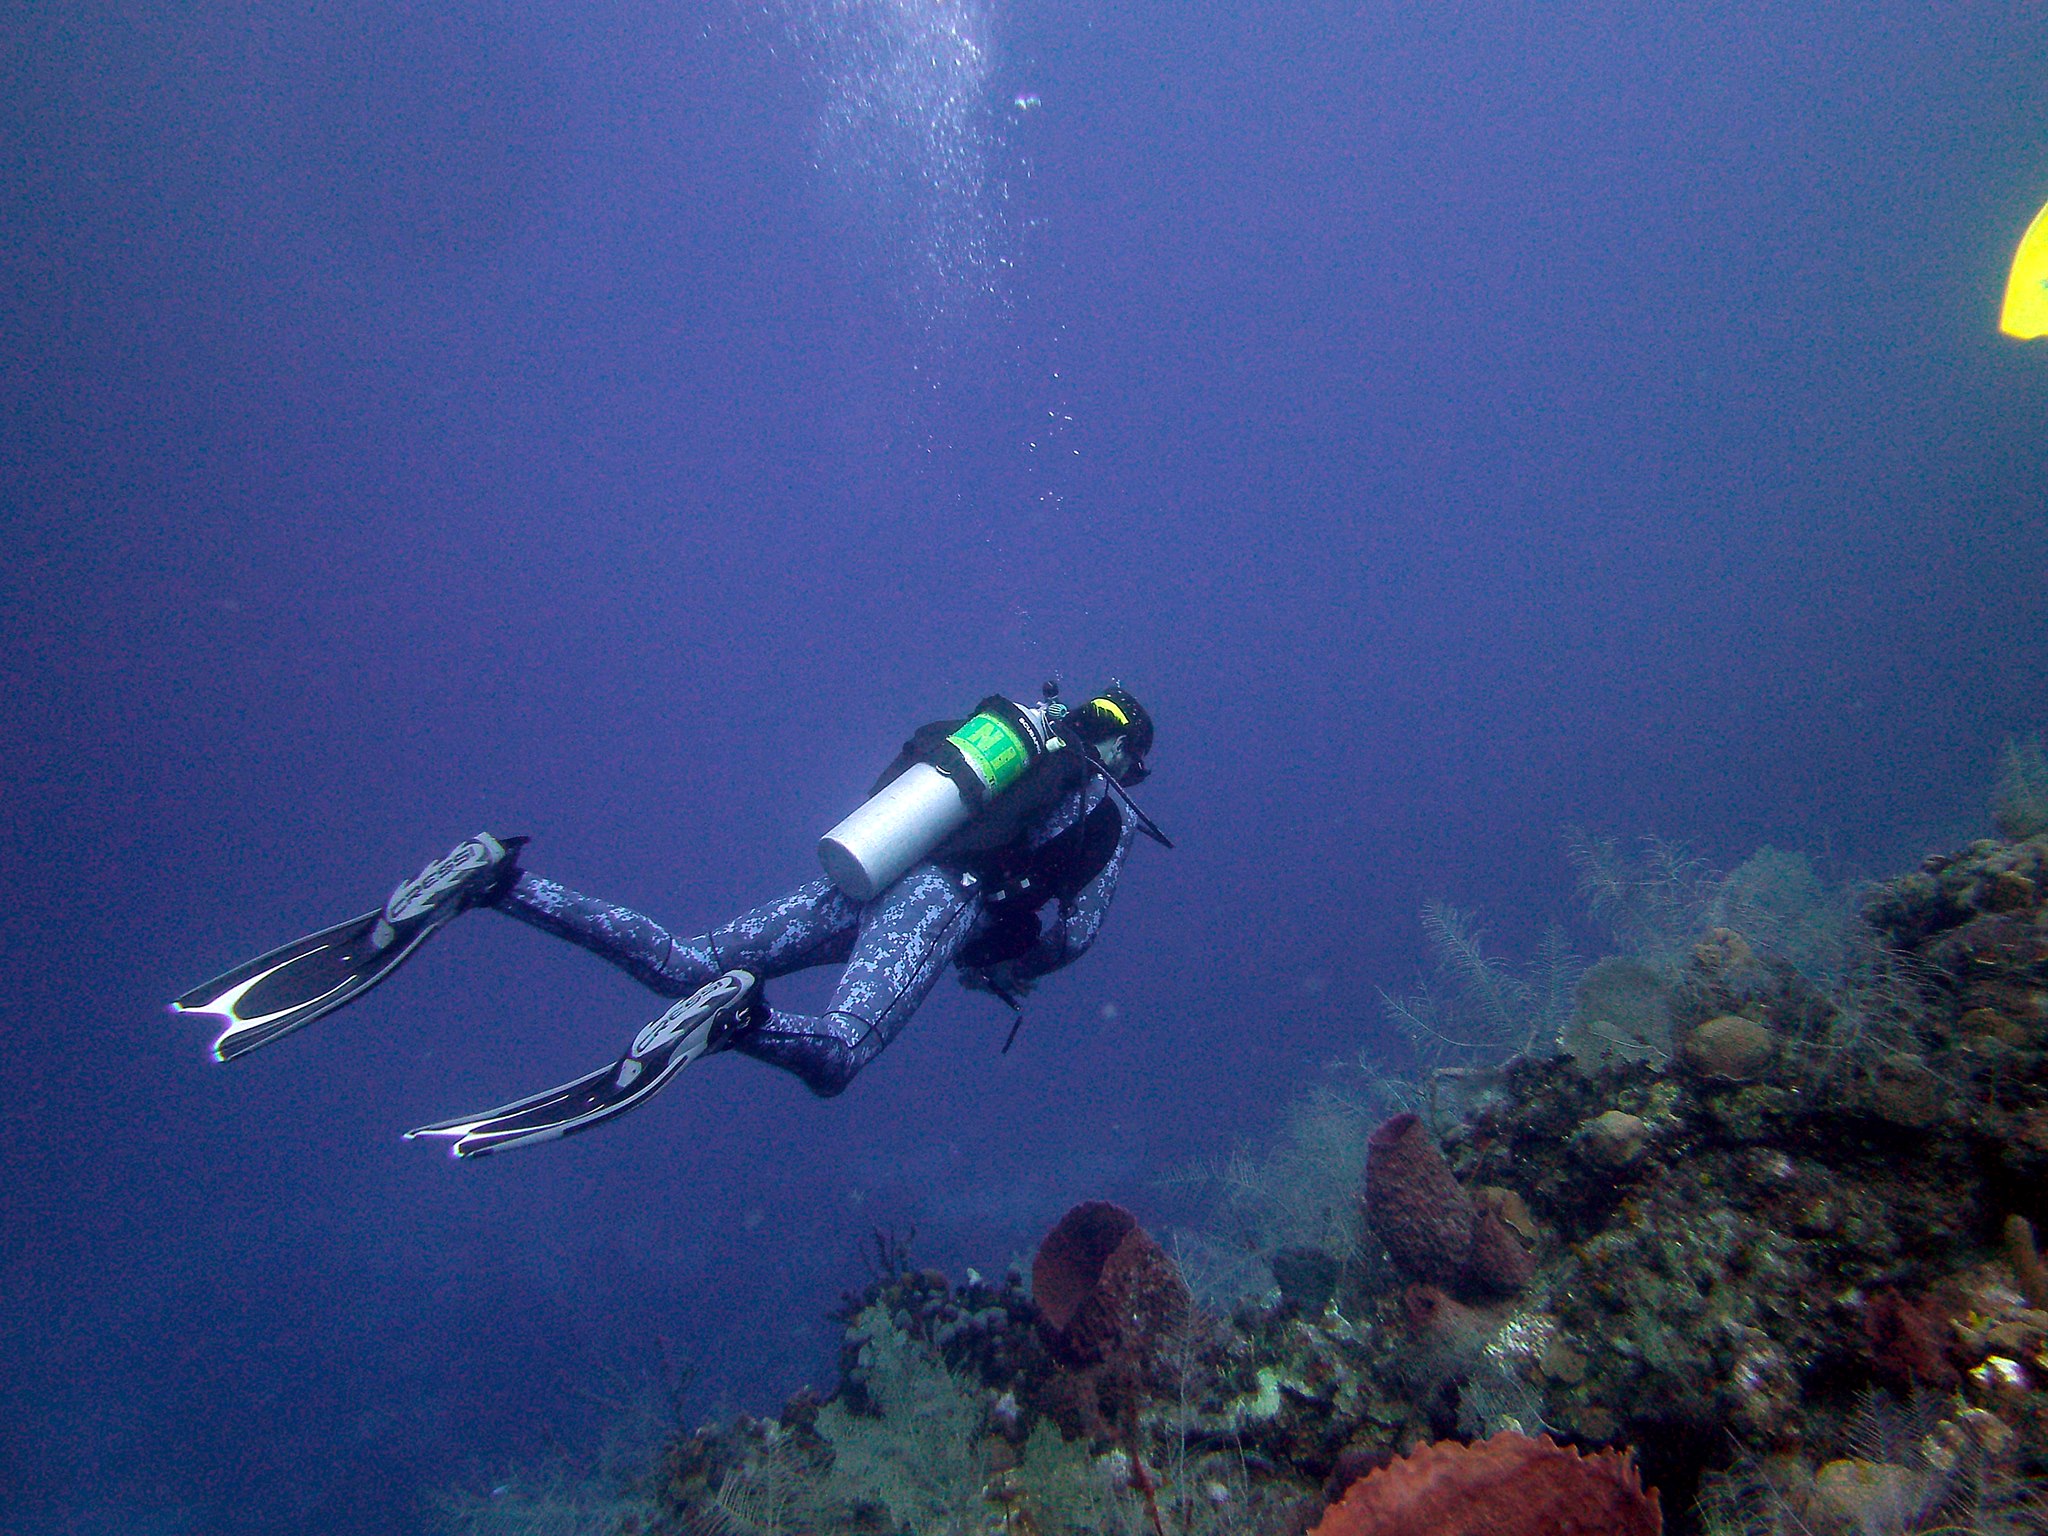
x,y
812,925
908,936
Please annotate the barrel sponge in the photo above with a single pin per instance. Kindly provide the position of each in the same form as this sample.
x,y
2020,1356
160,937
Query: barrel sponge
x,y
1498,1264
1105,1290
1414,1205
1509,1485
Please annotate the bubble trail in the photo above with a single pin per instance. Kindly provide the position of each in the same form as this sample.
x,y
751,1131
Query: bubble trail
x,y
907,136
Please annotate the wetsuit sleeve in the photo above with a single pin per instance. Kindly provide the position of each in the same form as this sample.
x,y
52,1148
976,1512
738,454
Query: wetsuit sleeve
x,y
1080,915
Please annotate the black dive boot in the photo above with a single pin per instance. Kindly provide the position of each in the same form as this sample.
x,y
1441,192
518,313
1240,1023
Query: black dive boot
x,y
290,987
708,1020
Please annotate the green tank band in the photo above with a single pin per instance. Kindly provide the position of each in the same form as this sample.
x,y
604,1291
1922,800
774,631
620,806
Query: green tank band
x,y
994,749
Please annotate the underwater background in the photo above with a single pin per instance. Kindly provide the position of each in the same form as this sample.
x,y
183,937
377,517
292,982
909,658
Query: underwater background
x,y
621,424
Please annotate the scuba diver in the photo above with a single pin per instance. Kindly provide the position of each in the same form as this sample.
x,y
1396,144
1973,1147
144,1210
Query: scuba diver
x,y
974,829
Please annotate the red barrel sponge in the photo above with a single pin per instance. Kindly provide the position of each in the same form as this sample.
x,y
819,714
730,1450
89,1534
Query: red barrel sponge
x,y
1103,1287
1434,1231
1413,1203
1507,1486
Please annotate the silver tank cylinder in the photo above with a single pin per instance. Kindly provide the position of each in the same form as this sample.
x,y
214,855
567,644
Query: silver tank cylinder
x,y
905,820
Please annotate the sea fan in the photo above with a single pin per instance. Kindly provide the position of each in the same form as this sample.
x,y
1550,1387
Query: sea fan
x,y
1478,1011
2019,799
1654,902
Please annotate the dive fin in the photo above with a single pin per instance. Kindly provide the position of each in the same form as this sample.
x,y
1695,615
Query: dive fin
x,y
2025,312
276,993
701,1023
292,986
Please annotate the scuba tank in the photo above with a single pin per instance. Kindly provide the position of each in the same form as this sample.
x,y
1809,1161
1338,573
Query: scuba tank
x,y
937,795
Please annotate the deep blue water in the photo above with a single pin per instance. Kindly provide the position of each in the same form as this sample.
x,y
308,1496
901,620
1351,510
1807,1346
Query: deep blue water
x,y
621,423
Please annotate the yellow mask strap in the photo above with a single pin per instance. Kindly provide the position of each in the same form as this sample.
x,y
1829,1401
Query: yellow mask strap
x,y
1108,707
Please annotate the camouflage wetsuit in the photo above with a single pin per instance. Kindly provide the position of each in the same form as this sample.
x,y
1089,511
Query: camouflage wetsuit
x,y
894,948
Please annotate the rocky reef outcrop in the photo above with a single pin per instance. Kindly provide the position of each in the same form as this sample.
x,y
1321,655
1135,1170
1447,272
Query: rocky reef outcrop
x,y
1784,1256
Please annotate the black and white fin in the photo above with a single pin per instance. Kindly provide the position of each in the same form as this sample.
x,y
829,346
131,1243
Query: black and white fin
x,y
701,1023
291,986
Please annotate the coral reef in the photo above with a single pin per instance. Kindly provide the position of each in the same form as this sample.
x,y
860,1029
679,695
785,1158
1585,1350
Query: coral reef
x,y
2019,799
1730,1048
948,1420
1478,1008
1298,1196
1786,1258
1917,1467
1621,1012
